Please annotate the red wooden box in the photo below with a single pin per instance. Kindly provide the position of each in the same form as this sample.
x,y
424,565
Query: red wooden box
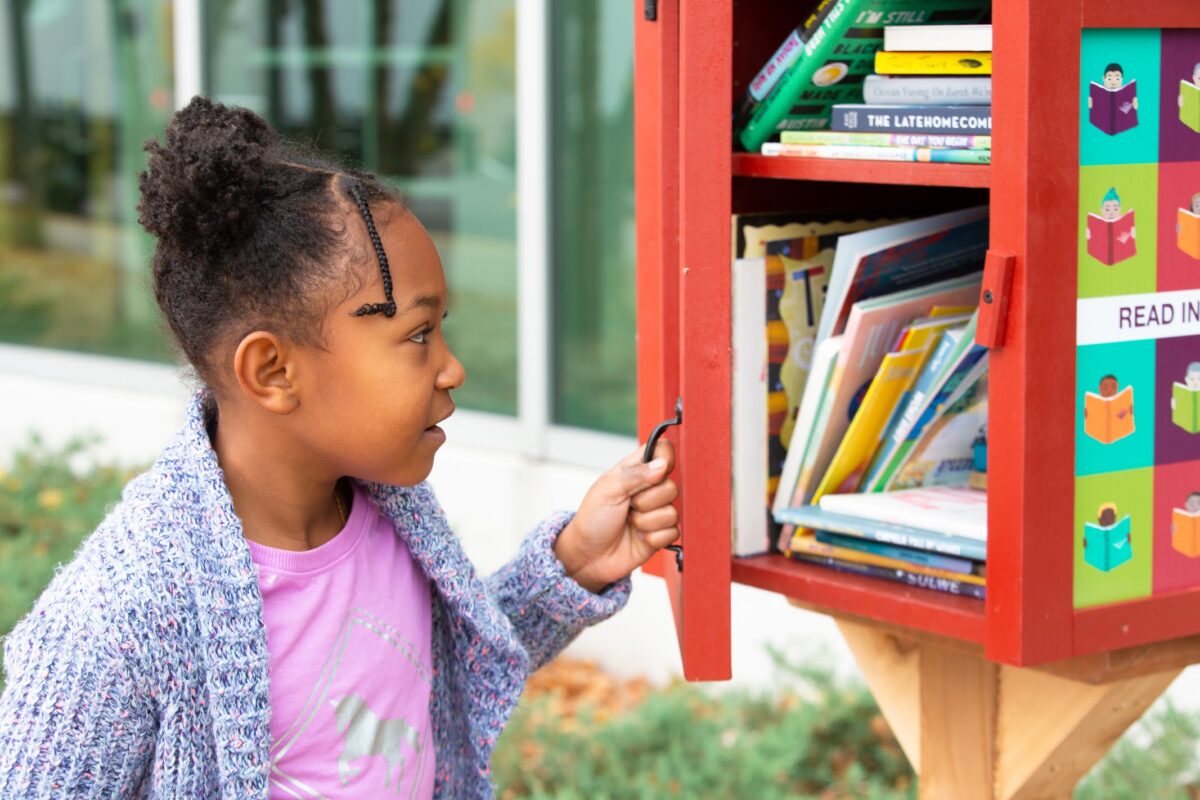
x,y
692,60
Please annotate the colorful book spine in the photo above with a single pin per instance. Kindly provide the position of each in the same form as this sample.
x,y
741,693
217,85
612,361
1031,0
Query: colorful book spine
x,y
959,120
941,90
817,519
935,155
961,63
811,546
918,580
836,59
886,139
920,558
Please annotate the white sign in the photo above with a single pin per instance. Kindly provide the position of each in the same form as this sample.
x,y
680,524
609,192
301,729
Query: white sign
x,y
1133,317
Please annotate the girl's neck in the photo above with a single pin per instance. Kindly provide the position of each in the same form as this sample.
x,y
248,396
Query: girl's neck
x,y
281,500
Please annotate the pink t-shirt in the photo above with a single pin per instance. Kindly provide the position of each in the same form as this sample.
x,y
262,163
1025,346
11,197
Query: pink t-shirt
x,y
348,636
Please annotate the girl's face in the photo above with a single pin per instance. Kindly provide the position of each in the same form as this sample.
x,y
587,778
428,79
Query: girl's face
x,y
381,385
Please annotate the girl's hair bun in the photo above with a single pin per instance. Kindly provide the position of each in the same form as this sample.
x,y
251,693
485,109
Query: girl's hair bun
x,y
205,187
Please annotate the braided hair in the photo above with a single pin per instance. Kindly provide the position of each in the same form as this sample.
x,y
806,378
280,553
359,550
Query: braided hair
x,y
251,232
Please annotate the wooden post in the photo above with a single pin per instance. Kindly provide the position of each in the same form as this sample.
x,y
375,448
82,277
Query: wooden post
x,y
972,728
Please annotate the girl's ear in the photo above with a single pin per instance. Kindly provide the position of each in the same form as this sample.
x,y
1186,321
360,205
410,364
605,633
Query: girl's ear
x,y
266,373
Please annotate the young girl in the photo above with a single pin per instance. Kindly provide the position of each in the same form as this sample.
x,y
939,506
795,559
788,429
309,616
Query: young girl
x,y
278,608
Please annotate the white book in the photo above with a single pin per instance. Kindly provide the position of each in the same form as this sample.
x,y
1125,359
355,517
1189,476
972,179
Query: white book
x,y
928,90
937,38
749,406
951,511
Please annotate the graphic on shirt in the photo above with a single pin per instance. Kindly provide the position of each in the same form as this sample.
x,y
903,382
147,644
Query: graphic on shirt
x,y
368,734
369,739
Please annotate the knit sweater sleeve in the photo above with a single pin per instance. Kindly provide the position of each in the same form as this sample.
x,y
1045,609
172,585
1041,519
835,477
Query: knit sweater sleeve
x,y
72,722
547,608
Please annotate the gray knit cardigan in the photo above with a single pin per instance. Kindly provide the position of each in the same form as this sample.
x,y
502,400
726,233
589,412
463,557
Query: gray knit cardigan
x,y
142,669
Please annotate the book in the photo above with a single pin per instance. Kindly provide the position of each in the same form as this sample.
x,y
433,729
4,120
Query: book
x,y
926,154
834,61
927,91
951,511
877,118
910,578
1111,241
1113,110
813,547
921,558
780,61
750,233
933,63
915,38
890,258
897,534
1187,232
887,139
1107,547
1185,532
944,455
1185,407
1108,419
748,436
1189,105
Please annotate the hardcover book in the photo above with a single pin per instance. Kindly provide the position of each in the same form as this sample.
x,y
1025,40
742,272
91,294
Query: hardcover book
x,y
1113,110
927,91
933,63
881,529
917,38
1185,408
1108,419
959,120
909,578
1107,547
1111,241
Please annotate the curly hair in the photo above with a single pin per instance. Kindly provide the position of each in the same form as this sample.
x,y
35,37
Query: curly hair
x,y
251,232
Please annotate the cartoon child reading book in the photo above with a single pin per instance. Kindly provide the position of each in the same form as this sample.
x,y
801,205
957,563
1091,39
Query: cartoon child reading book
x,y
1106,542
1185,526
1185,400
1189,100
1187,227
1108,415
1113,104
1111,234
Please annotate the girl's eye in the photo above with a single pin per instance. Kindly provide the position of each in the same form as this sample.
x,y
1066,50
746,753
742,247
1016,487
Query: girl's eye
x,y
421,337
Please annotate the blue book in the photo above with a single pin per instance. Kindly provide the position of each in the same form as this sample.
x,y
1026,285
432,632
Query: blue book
x,y
887,532
919,558
915,579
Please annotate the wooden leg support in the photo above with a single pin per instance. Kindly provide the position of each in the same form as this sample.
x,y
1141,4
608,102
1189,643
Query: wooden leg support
x,y
975,729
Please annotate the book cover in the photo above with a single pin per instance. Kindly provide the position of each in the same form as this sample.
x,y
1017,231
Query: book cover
x,y
834,61
917,38
894,257
948,510
1113,110
1108,419
1189,105
922,558
940,90
961,63
907,577
1185,531
911,119
1187,232
933,155
805,277
1111,241
811,546
917,537
887,139
944,453
1185,407
1107,547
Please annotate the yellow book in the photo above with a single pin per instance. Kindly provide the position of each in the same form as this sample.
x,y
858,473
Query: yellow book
x,y
933,63
896,374
808,545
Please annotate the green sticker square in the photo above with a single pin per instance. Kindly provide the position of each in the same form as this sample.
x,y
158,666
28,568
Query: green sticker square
x,y
1114,514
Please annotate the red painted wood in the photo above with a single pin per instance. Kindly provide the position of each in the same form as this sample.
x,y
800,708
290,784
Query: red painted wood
x,y
923,609
1155,14
1135,622
705,142
994,298
843,170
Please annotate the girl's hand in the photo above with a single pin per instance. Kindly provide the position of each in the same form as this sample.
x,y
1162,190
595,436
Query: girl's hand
x,y
624,519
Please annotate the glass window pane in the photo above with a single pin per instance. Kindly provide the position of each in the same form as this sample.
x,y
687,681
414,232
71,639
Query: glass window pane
x,y
81,88
422,92
593,224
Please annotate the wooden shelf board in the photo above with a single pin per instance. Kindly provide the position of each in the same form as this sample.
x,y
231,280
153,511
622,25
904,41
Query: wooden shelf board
x,y
831,591
750,165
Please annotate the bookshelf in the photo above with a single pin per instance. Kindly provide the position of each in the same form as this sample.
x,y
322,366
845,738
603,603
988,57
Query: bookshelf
x,y
689,69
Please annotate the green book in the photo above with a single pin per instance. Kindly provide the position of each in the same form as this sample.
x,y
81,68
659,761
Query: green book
x,y
838,56
1185,408
1189,105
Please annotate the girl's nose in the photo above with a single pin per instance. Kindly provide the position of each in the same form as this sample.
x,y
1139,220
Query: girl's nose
x,y
453,374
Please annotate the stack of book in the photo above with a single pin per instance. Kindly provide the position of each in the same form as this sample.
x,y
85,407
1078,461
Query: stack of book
x,y
929,100
860,396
